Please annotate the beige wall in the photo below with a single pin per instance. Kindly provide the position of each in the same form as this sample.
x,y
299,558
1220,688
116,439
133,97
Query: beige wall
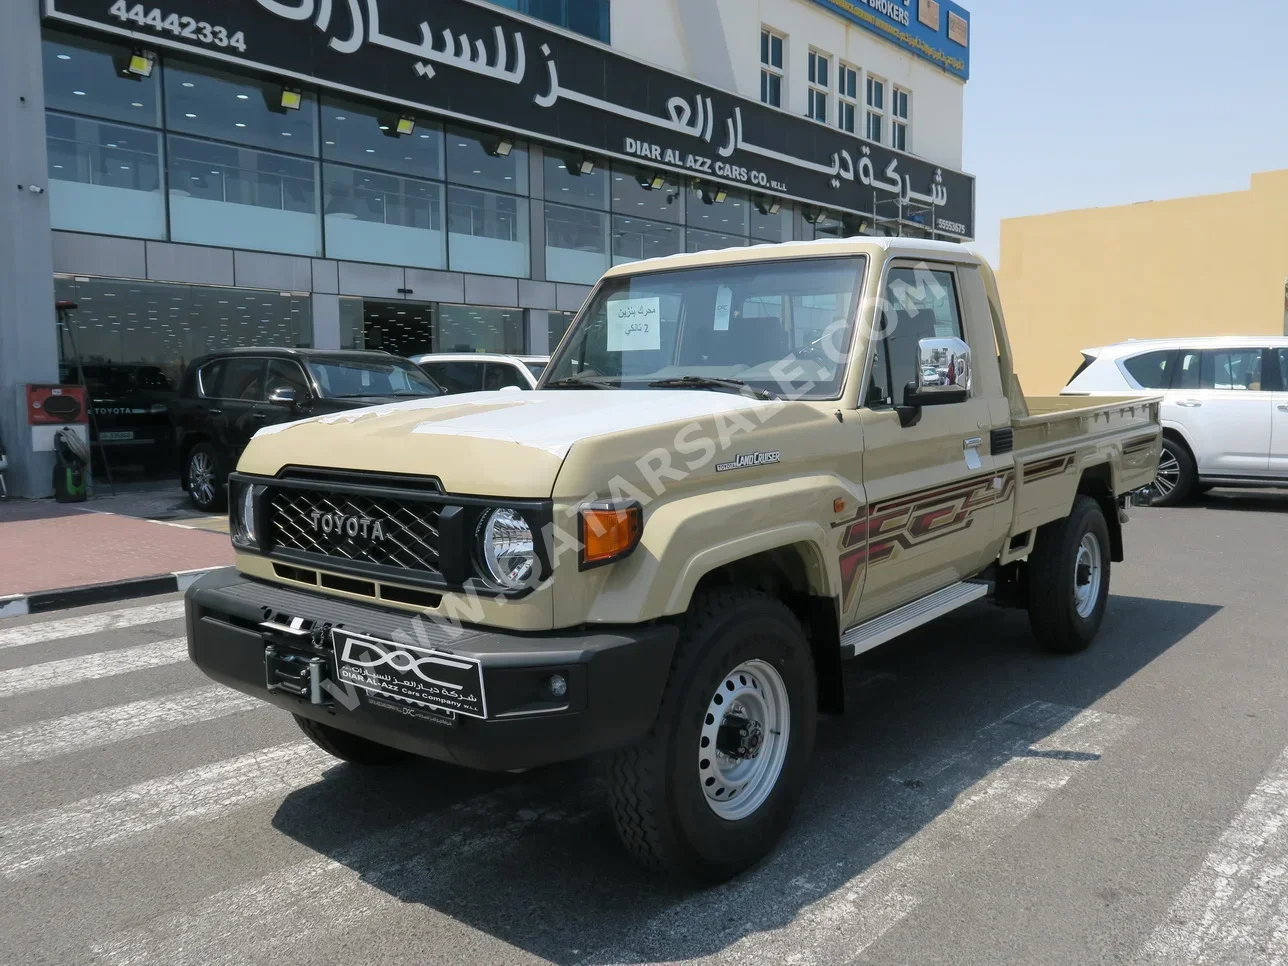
x,y
1211,265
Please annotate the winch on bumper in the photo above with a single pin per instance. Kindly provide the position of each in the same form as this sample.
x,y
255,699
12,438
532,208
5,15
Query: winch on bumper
x,y
409,682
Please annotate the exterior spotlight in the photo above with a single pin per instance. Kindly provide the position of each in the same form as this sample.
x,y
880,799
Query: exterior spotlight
x,y
587,165
141,63
406,126
292,98
501,149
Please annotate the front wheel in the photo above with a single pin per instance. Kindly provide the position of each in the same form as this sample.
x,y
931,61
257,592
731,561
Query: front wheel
x,y
712,787
1069,579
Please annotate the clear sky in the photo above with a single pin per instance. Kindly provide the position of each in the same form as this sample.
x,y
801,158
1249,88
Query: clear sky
x,y
1081,104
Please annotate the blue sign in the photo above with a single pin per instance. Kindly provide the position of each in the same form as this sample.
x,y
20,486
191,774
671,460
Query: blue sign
x,y
934,30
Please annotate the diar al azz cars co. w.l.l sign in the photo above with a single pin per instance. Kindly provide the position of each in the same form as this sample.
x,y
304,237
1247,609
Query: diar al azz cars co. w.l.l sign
x,y
462,59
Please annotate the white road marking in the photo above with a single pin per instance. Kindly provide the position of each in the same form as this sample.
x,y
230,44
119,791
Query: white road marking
x,y
57,630
75,733
932,820
270,919
33,841
1235,910
73,670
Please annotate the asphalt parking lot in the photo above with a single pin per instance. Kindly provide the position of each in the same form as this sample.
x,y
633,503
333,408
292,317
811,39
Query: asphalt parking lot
x,y
980,803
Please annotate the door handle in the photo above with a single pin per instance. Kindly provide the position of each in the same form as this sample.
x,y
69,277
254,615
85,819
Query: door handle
x,y
215,412
1283,407
973,443
1190,403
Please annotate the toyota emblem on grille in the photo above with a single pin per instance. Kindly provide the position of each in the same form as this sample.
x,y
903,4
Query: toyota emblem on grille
x,y
348,525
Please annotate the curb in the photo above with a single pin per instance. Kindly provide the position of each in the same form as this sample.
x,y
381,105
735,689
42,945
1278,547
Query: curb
x,y
42,601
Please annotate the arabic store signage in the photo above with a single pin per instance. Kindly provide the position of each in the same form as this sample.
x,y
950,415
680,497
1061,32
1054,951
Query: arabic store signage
x,y
477,63
934,30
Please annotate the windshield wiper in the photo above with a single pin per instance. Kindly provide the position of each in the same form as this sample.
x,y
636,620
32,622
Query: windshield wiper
x,y
580,382
710,382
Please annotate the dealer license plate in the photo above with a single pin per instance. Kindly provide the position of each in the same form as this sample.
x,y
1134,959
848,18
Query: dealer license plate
x,y
116,437
409,673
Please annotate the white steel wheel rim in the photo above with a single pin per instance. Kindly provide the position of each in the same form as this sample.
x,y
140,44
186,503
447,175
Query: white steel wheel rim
x,y
1088,570
201,477
1169,473
750,706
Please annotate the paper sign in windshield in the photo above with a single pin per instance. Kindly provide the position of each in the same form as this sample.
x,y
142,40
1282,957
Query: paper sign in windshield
x,y
724,302
634,325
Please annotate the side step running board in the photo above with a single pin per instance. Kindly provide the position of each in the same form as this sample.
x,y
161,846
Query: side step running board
x,y
887,627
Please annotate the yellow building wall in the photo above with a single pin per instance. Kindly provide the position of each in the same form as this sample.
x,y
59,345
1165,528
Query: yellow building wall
x,y
1211,265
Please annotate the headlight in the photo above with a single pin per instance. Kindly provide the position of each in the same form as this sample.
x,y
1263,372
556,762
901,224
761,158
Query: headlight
x,y
243,525
508,549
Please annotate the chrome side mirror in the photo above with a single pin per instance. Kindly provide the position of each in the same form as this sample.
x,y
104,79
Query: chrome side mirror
x,y
283,397
943,369
943,377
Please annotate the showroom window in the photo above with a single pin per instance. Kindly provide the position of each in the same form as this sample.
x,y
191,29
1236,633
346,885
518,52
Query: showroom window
x,y
376,217
771,220
88,77
590,18
238,197
104,178
213,104
134,341
368,138
643,201
487,205
577,238
469,328
716,218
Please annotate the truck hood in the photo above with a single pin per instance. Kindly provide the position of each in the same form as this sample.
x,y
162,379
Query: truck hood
x,y
507,443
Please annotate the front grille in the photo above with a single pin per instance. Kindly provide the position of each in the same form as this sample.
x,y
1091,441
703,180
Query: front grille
x,y
374,530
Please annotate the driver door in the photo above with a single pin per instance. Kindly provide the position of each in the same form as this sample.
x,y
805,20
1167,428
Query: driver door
x,y
928,484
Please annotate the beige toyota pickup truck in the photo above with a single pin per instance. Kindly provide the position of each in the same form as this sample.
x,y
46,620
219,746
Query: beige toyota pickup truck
x,y
739,469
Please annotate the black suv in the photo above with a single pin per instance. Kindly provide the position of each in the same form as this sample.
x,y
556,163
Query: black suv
x,y
226,397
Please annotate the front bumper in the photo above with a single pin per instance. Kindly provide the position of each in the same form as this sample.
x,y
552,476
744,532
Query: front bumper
x,y
615,677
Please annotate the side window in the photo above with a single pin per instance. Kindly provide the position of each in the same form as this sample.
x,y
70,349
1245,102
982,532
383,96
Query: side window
x,y
1152,370
243,379
208,379
285,374
1283,369
500,375
456,376
920,304
1188,364
1232,369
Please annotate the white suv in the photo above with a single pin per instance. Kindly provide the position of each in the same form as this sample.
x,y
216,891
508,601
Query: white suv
x,y
479,371
1225,406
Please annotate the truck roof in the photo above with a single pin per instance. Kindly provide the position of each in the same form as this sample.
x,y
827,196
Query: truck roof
x,y
857,245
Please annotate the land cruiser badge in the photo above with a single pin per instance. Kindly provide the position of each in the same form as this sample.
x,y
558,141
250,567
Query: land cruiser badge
x,y
748,460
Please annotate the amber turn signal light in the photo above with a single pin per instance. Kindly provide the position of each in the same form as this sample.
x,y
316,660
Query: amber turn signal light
x,y
609,532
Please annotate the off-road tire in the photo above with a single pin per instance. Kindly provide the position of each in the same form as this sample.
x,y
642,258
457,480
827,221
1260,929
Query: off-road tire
x,y
1187,480
347,747
658,802
1053,614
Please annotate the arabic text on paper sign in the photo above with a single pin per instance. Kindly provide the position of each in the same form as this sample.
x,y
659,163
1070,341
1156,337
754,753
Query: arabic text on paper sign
x,y
633,325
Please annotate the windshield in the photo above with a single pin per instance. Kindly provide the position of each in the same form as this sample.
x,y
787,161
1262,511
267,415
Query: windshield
x,y
783,327
353,379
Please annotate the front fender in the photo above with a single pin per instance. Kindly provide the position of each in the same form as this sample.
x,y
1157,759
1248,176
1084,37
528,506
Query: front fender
x,y
691,535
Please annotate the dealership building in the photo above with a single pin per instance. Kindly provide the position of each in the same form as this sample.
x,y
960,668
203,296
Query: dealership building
x,y
427,175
